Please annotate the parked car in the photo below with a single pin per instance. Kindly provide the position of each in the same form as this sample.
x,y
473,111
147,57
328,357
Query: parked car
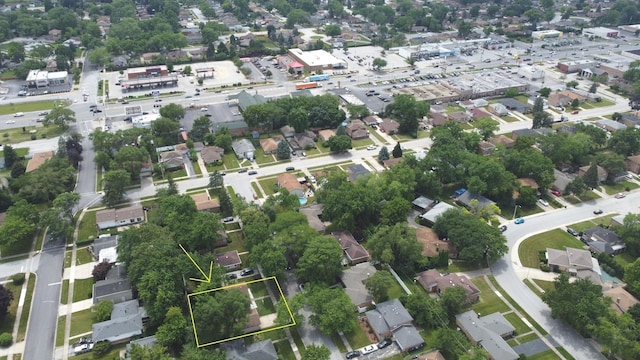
x,y
243,170
572,232
369,349
18,114
556,192
503,228
384,343
620,195
597,212
43,113
543,202
519,221
575,112
353,354
252,172
371,147
247,271
290,168
228,219
232,276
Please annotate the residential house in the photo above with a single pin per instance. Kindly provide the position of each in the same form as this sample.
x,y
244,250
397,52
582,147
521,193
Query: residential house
x,y
485,148
562,180
115,287
422,204
184,149
354,252
630,120
357,171
617,220
287,131
172,159
432,245
386,317
391,162
229,260
304,141
371,120
110,218
524,132
103,242
477,113
489,332
467,197
244,149
515,105
290,182
601,240
577,262
313,214
622,299
438,119
38,159
564,98
357,130
479,103
503,140
211,154
432,214
434,282
193,35
602,173
633,164
566,129
408,338
126,322
498,109
353,280
325,135
204,202
269,146
389,126
238,350
610,125
460,117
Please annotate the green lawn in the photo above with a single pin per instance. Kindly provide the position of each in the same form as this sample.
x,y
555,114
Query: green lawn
x,y
489,302
268,185
588,196
508,299
379,137
395,291
521,327
510,119
620,187
283,348
87,226
339,343
230,161
81,322
597,104
26,309
258,289
83,256
64,292
584,225
555,239
545,355
357,338
40,105
624,258
60,330
16,249
297,339
10,318
21,152
361,143
265,306
257,190
236,242
461,266
545,285
82,289
261,158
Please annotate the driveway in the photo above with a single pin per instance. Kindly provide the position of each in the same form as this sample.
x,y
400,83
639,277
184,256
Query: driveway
x,y
312,336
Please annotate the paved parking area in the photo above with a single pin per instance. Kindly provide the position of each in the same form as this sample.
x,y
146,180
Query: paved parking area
x,y
387,352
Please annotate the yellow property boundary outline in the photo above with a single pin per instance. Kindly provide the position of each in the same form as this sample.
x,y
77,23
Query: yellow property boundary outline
x,y
284,299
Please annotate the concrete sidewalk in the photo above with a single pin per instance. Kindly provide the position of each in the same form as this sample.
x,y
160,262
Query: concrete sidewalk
x,y
75,307
83,271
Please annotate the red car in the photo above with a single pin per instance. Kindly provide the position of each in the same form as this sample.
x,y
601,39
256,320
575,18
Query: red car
x,y
556,192
575,112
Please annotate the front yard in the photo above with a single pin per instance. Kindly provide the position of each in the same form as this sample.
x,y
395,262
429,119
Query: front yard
x,y
555,239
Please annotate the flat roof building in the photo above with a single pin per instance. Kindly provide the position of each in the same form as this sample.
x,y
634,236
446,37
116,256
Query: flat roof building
x,y
316,60
546,34
41,78
600,32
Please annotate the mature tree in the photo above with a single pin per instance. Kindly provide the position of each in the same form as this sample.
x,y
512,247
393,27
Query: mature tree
x,y
283,152
397,246
452,300
474,238
216,180
487,127
166,130
205,232
577,186
545,92
383,154
174,330
378,63
191,352
102,311
201,127
271,258
572,84
332,309
540,117
407,111
630,233
321,262
221,314
464,28
591,177
255,226
298,119
100,270
100,56
357,111
379,284
347,205
60,117
6,296
425,310
10,156
618,335
529,162
397,151
625,142
155,352
316,352
576,302
451,342
226,205
575,103
115,183
339,143
15,230
172,111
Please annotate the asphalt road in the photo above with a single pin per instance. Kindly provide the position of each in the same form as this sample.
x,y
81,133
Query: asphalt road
x,y
506,276
43,319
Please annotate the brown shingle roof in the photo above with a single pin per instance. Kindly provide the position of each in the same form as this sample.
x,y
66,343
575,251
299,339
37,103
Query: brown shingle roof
x,y
38,159
354,251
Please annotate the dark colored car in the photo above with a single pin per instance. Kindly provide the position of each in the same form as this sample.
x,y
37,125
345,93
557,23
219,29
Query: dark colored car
x,y
290,168
384,343
228,219
232,276
503,228
247,271
353,354
572,232
597,212
242,170
252,172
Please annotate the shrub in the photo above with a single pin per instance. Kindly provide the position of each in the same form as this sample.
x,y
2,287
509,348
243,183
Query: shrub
x,y
100,271
100,348
5,339
545,268
17,279
33,136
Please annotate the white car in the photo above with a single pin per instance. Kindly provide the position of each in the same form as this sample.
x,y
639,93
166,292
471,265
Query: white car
x,y
368,349
11,121
371,147
543,202
18,114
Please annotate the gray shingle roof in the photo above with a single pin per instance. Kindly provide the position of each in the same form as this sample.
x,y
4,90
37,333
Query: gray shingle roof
x,y
387,316
407,337
125,323
483,331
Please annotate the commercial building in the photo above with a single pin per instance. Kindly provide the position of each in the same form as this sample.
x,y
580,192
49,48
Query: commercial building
x,y
424,51
546,34
569,67
37,79
149,77
531,73
316,60
600,32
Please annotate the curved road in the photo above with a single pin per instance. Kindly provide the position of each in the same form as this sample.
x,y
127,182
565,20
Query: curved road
x,y
506,273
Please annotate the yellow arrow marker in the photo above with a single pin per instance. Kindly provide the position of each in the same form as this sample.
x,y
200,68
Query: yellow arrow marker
x,y
207,279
